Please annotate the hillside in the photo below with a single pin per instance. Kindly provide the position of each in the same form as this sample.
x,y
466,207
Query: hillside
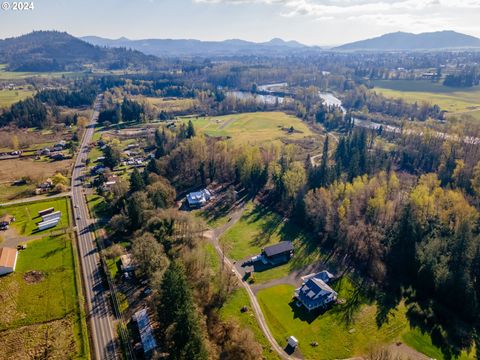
x,y
187,47
59,51
409,41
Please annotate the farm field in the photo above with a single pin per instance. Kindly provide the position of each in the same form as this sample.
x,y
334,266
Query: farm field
x,y
12,75
8,97
254,128
27,215
456,101
259,227
170,104
14,169
40,308
344,331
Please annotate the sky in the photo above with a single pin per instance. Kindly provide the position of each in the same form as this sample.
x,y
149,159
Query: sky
x,y
312,22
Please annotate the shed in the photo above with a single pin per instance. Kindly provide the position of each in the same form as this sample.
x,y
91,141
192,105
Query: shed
x,y
8,260
292,341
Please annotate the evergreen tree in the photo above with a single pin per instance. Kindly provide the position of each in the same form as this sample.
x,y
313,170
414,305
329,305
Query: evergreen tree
x,y
190,132
136,181
176,313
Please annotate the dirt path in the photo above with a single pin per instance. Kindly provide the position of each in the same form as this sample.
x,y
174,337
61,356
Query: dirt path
x,y
213,236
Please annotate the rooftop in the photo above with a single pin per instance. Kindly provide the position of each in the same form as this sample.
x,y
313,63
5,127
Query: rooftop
x,y
8,257
280,248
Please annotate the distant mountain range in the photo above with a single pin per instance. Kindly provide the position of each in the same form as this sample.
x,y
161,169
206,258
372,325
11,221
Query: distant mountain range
x,y
59,51
408,41
190,47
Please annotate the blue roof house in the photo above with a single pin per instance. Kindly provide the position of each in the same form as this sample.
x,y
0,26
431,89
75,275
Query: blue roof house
x,y
198,198
315,292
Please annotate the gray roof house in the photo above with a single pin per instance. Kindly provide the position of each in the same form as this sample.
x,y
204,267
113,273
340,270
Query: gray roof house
x,y
198,198
315,292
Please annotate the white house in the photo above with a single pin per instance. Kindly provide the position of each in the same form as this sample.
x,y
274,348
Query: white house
x,y
8,260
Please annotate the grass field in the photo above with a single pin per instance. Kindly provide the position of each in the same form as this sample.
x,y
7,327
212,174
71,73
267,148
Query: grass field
x,y
9,192
8,97
35,169
13,75
456,101
27,215
97,206
42,316
258,227
254,128
231,311
170,104
343,331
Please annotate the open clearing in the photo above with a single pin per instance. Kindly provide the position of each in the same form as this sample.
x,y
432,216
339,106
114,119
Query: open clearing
x,y
14,169
170,104
456,101
258,128
231,311
41,317
259,227
336,335
26,215
12,75
8,97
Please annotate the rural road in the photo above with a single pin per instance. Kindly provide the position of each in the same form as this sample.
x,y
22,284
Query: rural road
x,y
214,236
99,314
36,198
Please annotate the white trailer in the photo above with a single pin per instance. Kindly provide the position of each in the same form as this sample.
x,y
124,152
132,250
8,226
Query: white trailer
x,y
48,224
54,215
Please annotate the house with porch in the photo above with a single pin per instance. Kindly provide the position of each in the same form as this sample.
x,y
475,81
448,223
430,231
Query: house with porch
x,y
315,292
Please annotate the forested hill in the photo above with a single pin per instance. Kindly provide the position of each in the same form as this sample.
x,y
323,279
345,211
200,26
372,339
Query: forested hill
x,y
191,47
408,41
59,51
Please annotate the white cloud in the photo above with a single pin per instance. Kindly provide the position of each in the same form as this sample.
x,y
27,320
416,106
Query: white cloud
x,y
409,15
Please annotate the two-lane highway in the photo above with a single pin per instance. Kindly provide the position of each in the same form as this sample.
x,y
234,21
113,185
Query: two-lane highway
x,y
99,312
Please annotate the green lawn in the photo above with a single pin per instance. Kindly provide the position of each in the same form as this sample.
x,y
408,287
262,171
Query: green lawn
x,y
27,215
231,311
8,97
253,128
343,331
97,205
52,298
456,101
258,227
212,257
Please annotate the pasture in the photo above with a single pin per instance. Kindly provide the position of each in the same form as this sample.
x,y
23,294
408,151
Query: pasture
x,y
170,104
40,309
457,101
26,215
258,128
37,170
16,75
8,97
